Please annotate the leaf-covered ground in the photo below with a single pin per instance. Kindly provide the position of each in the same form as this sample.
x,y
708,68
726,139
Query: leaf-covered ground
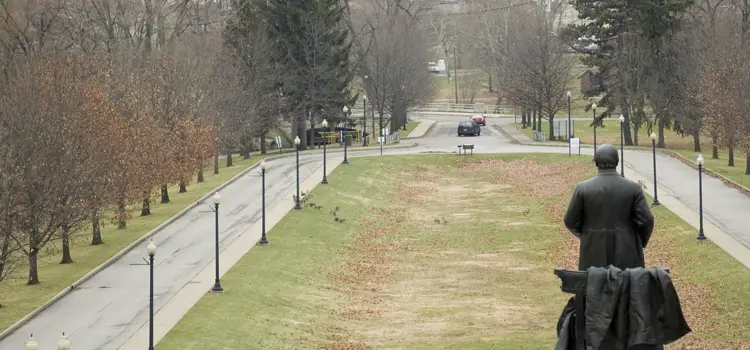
x,y
442,252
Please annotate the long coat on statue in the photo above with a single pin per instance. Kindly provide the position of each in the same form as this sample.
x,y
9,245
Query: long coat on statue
x,y
611,217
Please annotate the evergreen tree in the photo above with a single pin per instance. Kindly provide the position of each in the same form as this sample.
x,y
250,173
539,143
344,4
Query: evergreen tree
x,y
312,43
608,22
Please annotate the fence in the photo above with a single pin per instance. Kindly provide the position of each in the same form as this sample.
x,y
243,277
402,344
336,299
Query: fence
x,y
454,107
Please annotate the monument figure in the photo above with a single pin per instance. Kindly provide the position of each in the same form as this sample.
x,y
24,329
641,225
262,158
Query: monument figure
x,y
610,215
618,303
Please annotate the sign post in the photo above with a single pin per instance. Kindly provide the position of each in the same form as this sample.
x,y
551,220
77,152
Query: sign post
x,y
576,143
278,143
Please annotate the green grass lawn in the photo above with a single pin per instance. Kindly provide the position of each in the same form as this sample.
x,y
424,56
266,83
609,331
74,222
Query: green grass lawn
x,y
19,299
441,264
610,133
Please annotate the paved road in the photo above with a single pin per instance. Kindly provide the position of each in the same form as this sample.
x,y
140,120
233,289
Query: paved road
x,y
108,309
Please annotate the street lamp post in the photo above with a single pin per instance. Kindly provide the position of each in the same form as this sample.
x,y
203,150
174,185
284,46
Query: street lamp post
x,y
263,168
63,343
343,135
217,282
364,120
701,236
151,252
31,344
296,146
593,107
570,132
653,151
622,146
325,141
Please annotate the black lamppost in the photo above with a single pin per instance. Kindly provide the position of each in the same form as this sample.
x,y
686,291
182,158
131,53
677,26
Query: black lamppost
x,y
325,141
263,168
653,151
296,146
593,107
364,120
570,132
701,236
151,252
622,146
343,134
217,283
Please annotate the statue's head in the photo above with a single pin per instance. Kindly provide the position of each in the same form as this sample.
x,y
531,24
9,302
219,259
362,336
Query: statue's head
x,y
606,157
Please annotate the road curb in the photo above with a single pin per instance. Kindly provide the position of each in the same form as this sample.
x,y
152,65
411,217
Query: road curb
x,y
506,134
727,181
15,326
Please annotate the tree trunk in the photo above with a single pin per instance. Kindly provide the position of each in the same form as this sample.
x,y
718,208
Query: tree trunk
x,y
731,156
747,163
551,127
301,132
661,125
626,124
714,148
539,121
200,175
263,149
523,119
635,134
33,271
216,161
533,118
183,187
5,251
229,158
489,80
65,235
696,142
146,209
121,216
96,229
164,194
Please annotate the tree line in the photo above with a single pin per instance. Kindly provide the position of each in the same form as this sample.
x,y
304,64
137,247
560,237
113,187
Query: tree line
x,y
105,104
678,65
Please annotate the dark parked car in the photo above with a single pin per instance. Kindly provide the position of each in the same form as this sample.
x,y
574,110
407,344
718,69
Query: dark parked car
x,y
469,128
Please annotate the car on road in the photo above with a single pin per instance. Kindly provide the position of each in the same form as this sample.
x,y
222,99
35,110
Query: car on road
x,y
468,128
479,119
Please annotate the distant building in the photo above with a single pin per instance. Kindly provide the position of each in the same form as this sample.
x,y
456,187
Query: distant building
x,y
590,82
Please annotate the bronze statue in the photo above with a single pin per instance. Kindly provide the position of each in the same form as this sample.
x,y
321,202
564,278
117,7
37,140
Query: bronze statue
x,y
610,216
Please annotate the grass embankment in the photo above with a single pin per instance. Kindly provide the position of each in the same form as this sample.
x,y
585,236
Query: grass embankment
x,y
610,133
442,264
19,299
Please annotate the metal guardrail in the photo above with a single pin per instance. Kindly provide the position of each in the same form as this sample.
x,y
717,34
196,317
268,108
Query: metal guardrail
x,y
455,107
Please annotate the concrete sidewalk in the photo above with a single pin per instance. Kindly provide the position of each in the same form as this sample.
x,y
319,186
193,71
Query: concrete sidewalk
x,y
424,126
725,208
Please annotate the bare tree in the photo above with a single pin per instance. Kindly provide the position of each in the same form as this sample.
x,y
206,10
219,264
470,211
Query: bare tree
x,y
392,53
533,70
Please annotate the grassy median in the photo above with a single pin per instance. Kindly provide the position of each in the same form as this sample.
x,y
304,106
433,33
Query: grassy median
x,y
442,252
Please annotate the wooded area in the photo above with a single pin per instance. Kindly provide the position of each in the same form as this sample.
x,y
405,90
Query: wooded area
x,y
105,104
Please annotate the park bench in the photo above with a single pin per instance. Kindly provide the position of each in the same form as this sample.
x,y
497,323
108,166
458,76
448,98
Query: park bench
x,y
466,147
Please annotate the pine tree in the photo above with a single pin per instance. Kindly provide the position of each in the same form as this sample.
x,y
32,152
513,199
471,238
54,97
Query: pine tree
x,y
609,21
312,43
